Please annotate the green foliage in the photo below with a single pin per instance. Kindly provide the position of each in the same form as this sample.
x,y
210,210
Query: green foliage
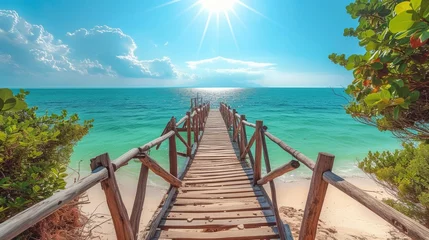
x,y
391,79
406,173
8,102
34,153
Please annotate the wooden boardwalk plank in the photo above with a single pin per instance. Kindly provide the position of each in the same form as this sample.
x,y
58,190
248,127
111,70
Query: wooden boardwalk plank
x,y
252,233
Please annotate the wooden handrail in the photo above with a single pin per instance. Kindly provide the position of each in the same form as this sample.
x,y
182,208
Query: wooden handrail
x,y
397,219
125,158
295,153
292,165
182,120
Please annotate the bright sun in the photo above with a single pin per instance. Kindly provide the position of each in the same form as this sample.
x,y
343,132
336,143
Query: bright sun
x,y
217,6
216,9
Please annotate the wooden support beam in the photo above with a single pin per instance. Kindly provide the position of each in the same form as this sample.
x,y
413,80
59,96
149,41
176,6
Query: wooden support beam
x,y
292,165
234,125
158,170
166,129
247,149
257,169
243,142
182,154
316,197
188,133
182,140
139,200
172,149
114,201
279,222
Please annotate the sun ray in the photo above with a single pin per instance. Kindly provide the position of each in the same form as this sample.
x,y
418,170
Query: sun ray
x,y
190,7
163,5
258,13
230,28
193,19
238,18
205,31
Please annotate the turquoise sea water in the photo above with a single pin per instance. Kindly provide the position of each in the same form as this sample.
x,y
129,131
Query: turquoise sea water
x,y
309,120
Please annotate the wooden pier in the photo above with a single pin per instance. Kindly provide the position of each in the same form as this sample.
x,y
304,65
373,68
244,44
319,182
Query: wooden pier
x,y
220,193
217,199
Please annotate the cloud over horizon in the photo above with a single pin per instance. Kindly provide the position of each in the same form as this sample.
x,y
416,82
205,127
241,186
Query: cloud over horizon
x,y
29,48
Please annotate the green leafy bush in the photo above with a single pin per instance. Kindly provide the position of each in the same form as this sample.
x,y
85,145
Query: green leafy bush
x,y
391,79
405,173
34,154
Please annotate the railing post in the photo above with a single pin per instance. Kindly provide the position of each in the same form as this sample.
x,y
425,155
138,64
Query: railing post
x,y
172,149
316,196
258,153
229,116
196,126
117,209
234,124
139,200
243,141
188,131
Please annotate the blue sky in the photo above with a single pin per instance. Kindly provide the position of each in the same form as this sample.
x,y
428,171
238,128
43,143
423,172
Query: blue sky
x,y
125,43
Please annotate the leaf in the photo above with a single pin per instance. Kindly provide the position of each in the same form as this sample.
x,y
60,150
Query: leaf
x,y
385,94
5,94
414,96
372,99
369,33
396,112
9,104
402,7
415,4
2,136
398,101
402,67
424,36
36,188
399,82
401,22
377,66
20,105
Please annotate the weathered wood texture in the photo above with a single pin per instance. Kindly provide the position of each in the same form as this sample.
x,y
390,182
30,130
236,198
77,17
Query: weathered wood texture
x,y
292,165
117,209
217,193
139,200
316,197
172,149
158,170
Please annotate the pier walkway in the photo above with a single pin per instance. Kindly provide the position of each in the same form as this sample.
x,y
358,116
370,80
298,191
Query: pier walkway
x,y
218,199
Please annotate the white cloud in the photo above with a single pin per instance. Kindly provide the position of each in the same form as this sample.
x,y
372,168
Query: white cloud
x,y
166,44
31,46
102,50
112,47
220,71
222,62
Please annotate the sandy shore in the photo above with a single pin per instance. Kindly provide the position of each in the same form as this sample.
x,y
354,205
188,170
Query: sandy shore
x,y
341,218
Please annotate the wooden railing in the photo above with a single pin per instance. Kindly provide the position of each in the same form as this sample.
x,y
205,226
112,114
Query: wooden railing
x,y
321,178
103,171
